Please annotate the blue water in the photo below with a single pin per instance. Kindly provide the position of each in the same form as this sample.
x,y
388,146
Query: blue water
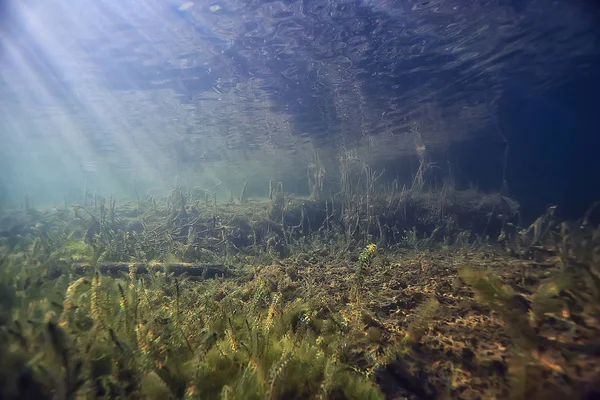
x,y
108,92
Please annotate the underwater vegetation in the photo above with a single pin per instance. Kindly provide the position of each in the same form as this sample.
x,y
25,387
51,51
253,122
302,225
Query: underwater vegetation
x,y
366,292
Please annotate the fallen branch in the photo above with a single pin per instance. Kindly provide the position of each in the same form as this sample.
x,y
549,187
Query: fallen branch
x,y
198,271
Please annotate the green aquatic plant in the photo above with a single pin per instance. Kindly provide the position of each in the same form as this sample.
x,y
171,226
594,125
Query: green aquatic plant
x,y
502,299
364,262
218,313
424,314
128,337
35,356
523,317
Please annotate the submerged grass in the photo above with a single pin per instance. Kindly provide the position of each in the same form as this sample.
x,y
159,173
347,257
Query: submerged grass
x,y
291,299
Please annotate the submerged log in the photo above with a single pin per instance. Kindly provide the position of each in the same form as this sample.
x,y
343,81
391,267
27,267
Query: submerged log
x,y
197,271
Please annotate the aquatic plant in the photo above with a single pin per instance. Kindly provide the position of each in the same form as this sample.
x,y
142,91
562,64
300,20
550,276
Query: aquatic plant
x,y
364,261
564,297
184,297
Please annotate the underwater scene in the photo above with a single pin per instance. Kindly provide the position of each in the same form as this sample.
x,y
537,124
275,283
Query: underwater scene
x,y
299,199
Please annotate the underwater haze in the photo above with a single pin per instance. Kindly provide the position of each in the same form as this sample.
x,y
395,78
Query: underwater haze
x,y
235,91
311,199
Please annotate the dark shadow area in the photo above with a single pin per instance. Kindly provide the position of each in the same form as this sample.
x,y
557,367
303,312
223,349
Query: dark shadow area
x,y
554,142
477,163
